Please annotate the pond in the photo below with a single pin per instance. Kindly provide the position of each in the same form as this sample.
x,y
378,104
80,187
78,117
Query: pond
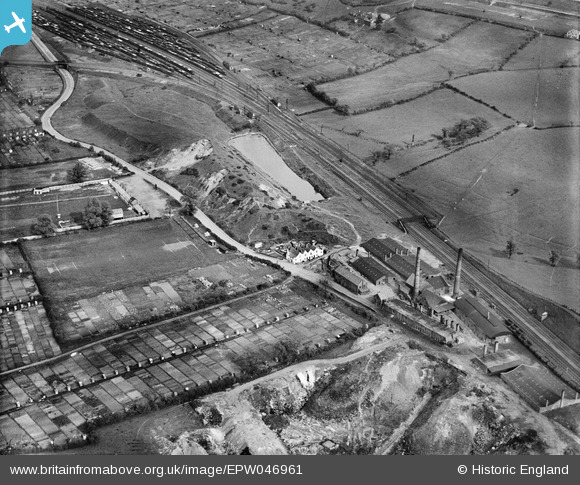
x,y
257,149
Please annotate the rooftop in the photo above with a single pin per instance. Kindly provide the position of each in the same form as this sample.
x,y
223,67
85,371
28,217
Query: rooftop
x,y
349,276
489,323
370,268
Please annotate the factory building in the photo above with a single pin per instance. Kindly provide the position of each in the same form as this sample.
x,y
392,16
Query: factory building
x,y
483,322
372,271
349,280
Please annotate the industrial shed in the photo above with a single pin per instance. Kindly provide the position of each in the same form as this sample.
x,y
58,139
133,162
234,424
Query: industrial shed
x,y
372,271
485,324
383,249
349,280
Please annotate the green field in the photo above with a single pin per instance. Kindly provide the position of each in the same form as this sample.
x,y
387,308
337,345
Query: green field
x,y
521,185
45,175
546,51
481,47
88,263
19,212
404,33
423,119
544,98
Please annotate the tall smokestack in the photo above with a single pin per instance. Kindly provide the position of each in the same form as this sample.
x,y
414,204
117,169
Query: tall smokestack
x,y
457,282
417,274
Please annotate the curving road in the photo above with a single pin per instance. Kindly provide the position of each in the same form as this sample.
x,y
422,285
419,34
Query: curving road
x,y
362,181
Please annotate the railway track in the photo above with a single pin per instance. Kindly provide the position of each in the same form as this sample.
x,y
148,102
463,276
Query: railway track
x,y
385,195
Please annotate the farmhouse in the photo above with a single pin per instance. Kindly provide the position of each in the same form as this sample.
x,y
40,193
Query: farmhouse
x,y
573,34
484,323
349,280
372,271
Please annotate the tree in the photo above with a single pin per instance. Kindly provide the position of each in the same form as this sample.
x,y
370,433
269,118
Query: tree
x,y
78,173
97,214
511,247
44,225
381,155
554,257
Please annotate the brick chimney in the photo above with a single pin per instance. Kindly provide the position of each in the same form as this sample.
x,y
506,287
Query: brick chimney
x,y
457,282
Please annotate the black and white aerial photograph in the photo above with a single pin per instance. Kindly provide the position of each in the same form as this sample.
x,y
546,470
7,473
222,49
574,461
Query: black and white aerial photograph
x,y
290,227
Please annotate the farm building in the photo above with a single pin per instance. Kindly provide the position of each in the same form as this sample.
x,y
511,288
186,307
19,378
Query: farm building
x,y
484,323
540,388
372,271
383,249
349,280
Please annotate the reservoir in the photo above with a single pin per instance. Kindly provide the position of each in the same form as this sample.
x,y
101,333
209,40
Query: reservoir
x,y
257,149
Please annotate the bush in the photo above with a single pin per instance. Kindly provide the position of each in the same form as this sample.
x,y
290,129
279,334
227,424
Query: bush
x,y
464,130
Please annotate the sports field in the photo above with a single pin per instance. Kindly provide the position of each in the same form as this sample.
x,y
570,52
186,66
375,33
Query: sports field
x,y
88,263
19,212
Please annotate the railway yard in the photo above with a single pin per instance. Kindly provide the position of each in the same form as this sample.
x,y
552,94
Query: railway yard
x,y
100,325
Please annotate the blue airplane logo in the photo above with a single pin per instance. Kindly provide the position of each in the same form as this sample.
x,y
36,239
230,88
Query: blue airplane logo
x,y
18,22
16,17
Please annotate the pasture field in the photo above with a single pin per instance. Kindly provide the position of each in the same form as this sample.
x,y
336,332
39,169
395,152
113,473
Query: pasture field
x,y
514,93
523,184
511,13
19,212
88,263
480,47
421,118
546,51
50,174
405,33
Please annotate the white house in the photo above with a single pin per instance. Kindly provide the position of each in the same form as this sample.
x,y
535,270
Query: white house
x,y
306,253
